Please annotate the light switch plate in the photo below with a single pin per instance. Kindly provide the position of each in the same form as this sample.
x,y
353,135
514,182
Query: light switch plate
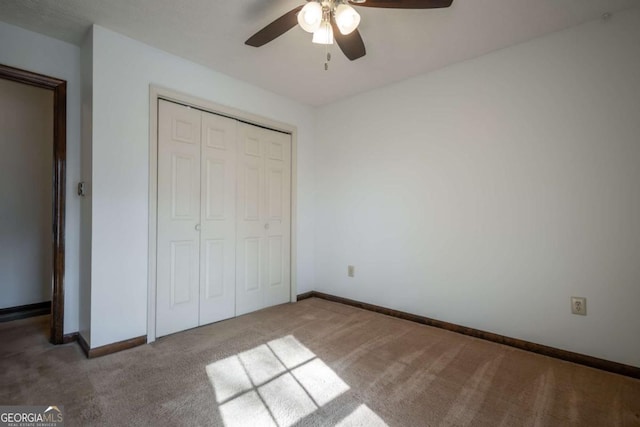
x,y
351,271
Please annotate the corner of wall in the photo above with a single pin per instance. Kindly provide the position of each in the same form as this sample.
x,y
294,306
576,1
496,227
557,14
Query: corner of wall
x,y
86,61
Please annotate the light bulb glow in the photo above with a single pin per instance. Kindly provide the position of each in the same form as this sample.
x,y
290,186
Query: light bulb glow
x,y
347,19
324,34
310,17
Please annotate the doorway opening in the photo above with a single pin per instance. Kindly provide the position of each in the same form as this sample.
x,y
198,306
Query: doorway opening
x,y
59,89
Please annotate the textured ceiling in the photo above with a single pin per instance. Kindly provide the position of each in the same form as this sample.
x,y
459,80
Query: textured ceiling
x,y
400,43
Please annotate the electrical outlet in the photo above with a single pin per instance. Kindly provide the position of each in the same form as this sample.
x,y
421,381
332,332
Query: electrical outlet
x,y
579,305
351,271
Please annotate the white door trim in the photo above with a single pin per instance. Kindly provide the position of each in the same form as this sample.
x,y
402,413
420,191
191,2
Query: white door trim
x,y
158,92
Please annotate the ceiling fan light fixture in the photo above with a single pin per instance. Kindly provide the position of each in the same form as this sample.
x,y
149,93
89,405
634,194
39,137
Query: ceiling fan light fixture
x,y
324,34
347,19
323,17
310,17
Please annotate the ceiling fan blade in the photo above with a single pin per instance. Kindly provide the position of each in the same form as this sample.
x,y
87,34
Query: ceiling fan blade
x,y
351,45
404,4
275,29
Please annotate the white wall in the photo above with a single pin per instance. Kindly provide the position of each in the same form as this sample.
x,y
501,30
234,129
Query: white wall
x,y
34,52
488,193
122,71
26,144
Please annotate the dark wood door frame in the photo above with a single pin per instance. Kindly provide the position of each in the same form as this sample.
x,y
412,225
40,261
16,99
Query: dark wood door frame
x,y
59,88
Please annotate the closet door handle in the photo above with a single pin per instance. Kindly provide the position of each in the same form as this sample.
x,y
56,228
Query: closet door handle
x,y
266,226
197,227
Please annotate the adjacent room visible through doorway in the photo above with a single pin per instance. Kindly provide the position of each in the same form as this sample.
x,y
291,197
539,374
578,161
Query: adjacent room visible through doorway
x,y
32,140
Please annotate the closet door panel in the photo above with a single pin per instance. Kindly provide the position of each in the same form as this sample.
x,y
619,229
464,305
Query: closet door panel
x,y
264,221
178,214
250,260
278,217
218,217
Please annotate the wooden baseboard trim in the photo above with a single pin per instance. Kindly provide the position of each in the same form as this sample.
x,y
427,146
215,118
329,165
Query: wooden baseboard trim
x,y
83,345
66,339
305,295
569,356
25,311
110,348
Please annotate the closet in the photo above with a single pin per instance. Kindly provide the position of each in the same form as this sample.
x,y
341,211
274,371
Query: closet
x,y
223,218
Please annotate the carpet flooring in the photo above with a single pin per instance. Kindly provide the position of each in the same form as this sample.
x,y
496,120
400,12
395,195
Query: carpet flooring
x,y
313,363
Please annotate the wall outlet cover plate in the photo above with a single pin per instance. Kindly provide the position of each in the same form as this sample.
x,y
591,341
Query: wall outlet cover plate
x,y
579,305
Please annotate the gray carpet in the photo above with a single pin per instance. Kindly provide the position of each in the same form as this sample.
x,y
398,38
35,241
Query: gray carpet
x,y
313,363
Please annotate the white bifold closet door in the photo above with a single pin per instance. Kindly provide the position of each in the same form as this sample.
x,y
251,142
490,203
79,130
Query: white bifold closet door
x,y
263,218
196,218
224,218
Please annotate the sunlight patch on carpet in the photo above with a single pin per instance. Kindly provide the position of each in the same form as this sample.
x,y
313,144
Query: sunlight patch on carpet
x,y
320,381
246,410
228,378
290,351
362,416
261,364
278,384
287,400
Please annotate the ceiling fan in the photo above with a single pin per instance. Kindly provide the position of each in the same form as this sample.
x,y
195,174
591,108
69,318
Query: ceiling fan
x,y
331,20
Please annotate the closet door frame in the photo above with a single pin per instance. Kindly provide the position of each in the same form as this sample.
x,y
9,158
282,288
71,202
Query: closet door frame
x,y
155,94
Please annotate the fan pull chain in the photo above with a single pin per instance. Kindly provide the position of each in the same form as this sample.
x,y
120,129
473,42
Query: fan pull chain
x,y
326,64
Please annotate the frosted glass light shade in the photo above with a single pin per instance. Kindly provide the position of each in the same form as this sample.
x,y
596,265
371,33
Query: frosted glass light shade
x,y
347,19
324,34
310,17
